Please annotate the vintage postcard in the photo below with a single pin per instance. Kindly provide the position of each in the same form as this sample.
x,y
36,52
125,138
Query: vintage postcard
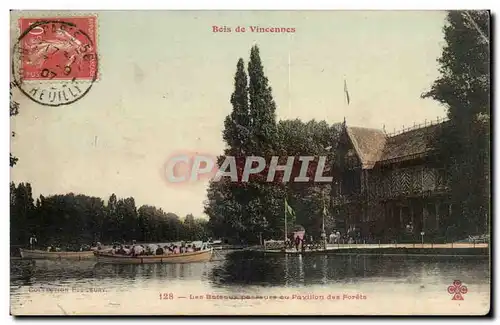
x,y
250,163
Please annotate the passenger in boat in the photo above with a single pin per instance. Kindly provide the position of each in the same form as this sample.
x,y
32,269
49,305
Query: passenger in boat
x,y
189,249
177,249
167,250
85,248
122,251
154,247
159,251
297,243
137,250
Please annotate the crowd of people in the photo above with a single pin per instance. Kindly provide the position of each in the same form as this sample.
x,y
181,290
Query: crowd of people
x,y
153,249
122,249
302,243
68,248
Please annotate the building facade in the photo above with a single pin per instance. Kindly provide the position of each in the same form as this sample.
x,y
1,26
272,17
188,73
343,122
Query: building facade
x,y
387,185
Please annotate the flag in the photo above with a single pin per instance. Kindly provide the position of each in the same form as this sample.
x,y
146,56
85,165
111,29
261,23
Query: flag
x,y
346,92
289,211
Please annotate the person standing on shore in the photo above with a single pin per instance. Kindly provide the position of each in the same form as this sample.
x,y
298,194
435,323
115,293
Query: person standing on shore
x,y
33,241
297,243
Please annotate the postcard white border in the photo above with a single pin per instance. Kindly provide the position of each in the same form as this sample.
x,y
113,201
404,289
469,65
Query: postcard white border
x,y
96,5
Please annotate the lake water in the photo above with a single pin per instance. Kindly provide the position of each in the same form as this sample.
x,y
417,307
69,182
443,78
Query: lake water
x,y
246,283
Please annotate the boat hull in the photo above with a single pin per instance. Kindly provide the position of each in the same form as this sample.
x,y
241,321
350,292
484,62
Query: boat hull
x,y
193,257
39,254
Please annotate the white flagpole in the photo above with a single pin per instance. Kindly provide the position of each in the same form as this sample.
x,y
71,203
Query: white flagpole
x,y
289,77
323,225
285,223
290,114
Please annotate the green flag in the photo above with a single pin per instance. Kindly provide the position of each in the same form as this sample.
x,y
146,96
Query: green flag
x,y
289,211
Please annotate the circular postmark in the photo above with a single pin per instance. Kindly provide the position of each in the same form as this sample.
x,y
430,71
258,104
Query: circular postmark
x,y
54,62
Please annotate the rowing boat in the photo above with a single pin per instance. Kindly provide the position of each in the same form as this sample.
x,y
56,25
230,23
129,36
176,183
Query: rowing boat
x,y
191,257
39,254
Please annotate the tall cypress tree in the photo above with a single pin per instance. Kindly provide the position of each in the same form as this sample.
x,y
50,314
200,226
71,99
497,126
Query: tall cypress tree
x,y
224,210
237,124
464,87
262,106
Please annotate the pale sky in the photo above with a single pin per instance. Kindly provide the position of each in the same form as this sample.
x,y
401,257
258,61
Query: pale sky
x,y
166,80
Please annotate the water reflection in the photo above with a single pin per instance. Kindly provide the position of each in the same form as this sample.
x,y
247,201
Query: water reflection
x,y
134,289
248,268
242,268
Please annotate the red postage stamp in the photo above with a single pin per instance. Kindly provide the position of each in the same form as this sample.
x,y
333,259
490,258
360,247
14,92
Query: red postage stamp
x,y
62,48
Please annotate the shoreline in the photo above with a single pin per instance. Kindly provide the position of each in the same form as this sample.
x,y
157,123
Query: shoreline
x,y
385,252
462,249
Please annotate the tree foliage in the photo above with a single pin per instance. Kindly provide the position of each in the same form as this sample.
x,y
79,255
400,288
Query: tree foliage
x,y
262,106
236,132
74,220
464,88
241,211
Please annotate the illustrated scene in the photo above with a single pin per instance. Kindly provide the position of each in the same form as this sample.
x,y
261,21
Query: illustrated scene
x,y
250,163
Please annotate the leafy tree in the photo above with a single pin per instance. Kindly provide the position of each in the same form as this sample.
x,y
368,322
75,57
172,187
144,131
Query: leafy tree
x,y
21,212
464,88
71,220
224,211
236,132
127,218
242,211
262,106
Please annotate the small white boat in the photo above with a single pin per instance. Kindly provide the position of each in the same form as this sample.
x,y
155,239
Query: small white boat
x,y
191,257
39,254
